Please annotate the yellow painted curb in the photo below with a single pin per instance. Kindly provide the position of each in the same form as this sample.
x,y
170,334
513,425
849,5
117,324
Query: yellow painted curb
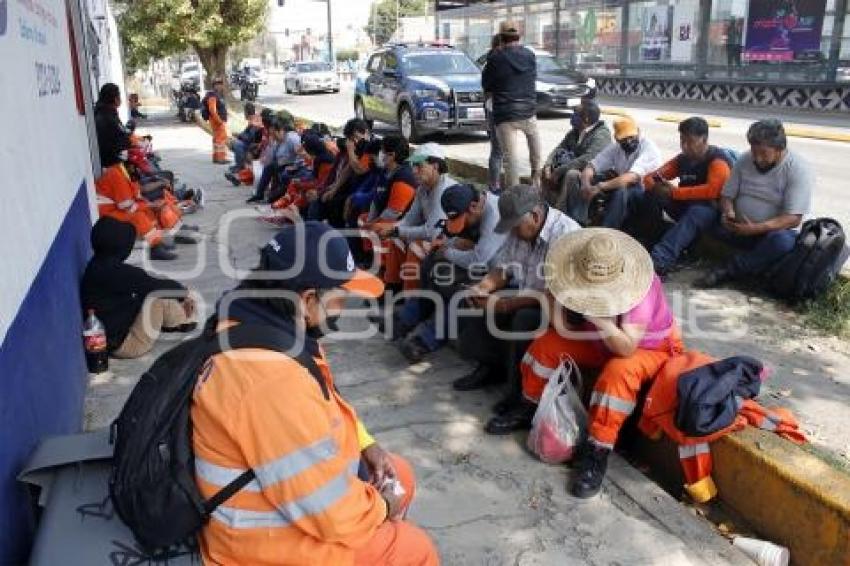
x,y
789,496
615,111
676,118
816,134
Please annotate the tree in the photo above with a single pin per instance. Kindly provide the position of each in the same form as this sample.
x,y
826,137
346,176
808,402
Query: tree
x,y
152,29
386,13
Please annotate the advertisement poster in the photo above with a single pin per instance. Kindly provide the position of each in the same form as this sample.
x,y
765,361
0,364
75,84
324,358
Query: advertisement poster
x,y
684,31
655,45
784,30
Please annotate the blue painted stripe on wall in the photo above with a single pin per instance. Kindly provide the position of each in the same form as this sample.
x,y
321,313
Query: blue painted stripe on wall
x,y
42,371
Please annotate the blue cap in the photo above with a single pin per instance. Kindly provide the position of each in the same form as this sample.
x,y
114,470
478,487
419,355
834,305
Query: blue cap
x,y
312,255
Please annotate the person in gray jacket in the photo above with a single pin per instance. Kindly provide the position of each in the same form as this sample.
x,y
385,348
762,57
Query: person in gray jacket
x,y
472,242
587,138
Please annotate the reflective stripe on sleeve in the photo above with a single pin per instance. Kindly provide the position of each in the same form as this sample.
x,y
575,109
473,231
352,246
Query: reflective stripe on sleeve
x,y
288,513
610,402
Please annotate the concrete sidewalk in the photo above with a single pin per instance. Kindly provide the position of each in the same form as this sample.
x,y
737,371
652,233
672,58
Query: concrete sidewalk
x,y
485,500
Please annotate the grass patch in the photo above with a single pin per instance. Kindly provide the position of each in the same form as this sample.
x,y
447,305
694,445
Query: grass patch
x,y
831,312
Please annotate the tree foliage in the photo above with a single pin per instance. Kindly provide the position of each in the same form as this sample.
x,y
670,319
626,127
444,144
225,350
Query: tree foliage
x,y
151,29
385,13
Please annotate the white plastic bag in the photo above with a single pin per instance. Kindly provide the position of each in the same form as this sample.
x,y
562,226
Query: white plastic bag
x,y
257,169
560,422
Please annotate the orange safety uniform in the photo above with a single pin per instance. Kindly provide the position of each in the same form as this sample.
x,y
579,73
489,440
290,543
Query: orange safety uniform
x,y
220,135
659,414
616,390
120,197
297,189
263,410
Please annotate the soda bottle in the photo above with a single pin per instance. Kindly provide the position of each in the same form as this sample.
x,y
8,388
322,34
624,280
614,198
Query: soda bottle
x,y
94,341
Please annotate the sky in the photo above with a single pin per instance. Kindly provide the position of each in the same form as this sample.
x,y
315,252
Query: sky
x,y
301,14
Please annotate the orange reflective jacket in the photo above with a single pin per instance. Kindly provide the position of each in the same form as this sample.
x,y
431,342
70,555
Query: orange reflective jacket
x,y
263,410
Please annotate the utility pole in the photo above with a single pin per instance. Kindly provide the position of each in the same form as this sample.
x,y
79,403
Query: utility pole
x,y
330,36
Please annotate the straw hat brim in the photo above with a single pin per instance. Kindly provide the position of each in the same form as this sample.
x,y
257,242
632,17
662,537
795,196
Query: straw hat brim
x,y
573,291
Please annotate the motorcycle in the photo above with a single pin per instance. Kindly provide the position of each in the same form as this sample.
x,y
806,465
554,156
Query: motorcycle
x,y
187,100
249,89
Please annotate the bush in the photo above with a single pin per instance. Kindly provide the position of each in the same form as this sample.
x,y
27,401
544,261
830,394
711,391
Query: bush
x,y
346,54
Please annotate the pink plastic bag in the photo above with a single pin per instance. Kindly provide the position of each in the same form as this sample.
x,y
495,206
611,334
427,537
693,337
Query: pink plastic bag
x,y
560,422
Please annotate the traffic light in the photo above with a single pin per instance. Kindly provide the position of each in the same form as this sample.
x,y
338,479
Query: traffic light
x,y
280,3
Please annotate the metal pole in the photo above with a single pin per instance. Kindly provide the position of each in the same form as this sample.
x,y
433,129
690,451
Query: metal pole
x,y
838,26
330,36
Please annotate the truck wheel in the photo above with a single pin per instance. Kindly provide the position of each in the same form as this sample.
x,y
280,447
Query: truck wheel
x,y
407,124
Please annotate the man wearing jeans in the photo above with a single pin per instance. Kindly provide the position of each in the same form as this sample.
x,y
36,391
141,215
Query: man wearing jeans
x,y
615,173
702,170
509,78
765,198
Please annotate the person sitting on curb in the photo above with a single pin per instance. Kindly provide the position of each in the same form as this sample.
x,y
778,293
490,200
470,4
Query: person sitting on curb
x,y
240,144
112,137
410,240
119,294
702,171
765,199
286,144
586,139
533,227
471,220
609,311
616,174
325,492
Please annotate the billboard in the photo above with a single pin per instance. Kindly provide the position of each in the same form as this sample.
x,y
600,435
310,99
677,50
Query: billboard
x,y
784,30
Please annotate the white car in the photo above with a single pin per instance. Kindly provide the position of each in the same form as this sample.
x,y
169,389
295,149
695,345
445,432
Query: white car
x,y
192,71
310,76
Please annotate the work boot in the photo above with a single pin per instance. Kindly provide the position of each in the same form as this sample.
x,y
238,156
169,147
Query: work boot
x,y
590,470
480,377
504,406
413,349
713,278
518,418
160,253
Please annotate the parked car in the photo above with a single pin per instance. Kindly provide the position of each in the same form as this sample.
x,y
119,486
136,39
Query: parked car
x,y
559,87
422,88
310,76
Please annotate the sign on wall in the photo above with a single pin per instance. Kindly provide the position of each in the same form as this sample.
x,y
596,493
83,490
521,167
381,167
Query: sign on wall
x,y
784,30
685,28
655,42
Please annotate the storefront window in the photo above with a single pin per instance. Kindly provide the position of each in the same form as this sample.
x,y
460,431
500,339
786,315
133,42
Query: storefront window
x,y
538,19
663,37
589,36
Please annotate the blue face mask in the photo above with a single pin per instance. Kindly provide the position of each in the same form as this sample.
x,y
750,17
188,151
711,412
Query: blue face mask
x,y
575,121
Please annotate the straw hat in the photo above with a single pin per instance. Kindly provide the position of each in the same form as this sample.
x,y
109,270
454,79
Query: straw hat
x,y
598,272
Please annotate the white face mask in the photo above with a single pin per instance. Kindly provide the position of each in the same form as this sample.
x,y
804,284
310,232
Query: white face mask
x,y
382,159
124,155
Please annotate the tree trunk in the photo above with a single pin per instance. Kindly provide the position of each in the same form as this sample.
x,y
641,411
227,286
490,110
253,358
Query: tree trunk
x,y
213,60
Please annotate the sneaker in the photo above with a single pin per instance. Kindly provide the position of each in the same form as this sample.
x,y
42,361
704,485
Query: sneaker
x,y
478,378
234,180
160,253
518,418
199,197
590,470
413,349
254,199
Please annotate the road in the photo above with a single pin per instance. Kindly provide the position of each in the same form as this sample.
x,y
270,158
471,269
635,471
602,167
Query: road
x,y
829,160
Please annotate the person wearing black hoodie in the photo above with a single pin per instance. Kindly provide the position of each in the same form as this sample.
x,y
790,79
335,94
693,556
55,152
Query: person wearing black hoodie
x,y
117,292
112,137
509,78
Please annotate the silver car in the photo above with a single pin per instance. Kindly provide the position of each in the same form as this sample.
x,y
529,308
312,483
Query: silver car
x,y
310,76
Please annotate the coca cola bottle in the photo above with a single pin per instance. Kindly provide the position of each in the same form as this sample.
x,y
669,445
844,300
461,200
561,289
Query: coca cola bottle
x,y
94,341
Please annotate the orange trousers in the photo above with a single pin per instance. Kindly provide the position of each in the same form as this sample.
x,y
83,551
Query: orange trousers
x,y
402,263
616,391
143,220
219,140
399,543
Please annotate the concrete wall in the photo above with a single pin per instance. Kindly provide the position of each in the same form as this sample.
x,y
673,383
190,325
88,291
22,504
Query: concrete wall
x,y
45,219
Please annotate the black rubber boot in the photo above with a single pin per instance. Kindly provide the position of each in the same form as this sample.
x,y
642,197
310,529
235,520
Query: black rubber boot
x,y
590,470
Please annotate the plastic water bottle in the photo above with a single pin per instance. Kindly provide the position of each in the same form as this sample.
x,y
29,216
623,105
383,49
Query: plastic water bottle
x,y
94,341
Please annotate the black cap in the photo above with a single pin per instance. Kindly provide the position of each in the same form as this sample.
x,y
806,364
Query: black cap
x,y
312,255
455,202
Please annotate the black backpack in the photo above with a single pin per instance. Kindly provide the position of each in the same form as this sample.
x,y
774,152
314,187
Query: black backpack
x,y
814,263
152,484
205,109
